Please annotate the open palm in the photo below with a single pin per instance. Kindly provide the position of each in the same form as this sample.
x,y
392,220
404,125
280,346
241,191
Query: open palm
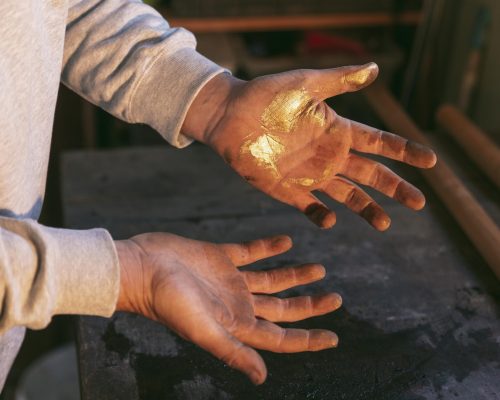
x,y
195,289
279,134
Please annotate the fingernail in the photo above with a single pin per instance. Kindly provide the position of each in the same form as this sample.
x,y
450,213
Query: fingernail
x,y
420,155
364,74
410,196
377,217
321,215
335,340
338,299
328,220
382,222
320,270
371,65
433,159
281,241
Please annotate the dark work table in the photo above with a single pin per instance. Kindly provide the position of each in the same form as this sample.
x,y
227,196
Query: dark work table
x,y
421,309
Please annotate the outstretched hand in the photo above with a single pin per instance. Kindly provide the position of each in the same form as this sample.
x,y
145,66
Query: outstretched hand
x,y
278,134
196,290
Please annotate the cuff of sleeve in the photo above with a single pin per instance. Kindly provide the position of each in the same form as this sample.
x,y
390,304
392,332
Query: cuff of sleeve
x,y
165,93
88,279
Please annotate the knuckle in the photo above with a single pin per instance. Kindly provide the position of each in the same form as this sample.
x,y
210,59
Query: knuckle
x,y
281,340
374,175
309,304
308,341
272,279
349,198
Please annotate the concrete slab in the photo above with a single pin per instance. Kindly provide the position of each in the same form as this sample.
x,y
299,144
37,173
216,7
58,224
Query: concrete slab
x,y
420,314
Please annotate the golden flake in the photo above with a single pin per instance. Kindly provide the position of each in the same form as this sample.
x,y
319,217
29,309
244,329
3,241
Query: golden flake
x,y
266,149
308,182
281,117
361,76
286,109
303,181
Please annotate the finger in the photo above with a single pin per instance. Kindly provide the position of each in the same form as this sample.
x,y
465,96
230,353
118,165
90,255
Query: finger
x,y
370,140
249,252
356,199
334,81
279,279
216,340
266,335
368,172
314,209
295,308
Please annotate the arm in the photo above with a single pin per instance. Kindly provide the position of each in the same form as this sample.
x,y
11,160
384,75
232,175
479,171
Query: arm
x,y
192,287
115,51
46,271
123,56
275,131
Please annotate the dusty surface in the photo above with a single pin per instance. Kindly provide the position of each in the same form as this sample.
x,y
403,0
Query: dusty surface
x,y
421,310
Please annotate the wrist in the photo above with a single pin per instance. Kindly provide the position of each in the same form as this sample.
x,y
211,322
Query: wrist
x,y
209,106
131,277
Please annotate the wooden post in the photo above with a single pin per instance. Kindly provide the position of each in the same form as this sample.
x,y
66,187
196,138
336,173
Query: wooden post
x,y
469,214
475,142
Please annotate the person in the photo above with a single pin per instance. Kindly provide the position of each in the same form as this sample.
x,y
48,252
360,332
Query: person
x,y
275,131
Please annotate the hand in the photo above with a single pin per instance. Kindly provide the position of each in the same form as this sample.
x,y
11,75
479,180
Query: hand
x,y
196,290
278,133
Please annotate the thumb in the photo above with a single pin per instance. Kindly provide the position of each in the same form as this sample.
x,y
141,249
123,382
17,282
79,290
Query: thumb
x,y
334,81
216,340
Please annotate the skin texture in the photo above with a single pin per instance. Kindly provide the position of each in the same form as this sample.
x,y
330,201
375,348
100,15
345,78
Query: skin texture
x,y
196,289
278,134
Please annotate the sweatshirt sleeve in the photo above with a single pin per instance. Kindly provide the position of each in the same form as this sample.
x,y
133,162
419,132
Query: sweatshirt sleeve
x,y
47,271
124,57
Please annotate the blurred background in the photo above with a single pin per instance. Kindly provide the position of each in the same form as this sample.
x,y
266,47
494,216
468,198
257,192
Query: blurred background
x,y
429,52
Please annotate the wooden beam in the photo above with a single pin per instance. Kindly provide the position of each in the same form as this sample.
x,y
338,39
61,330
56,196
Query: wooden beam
x,y
292,22
468,213
472,139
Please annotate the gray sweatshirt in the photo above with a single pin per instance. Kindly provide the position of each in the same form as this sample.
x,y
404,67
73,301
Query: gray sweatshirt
x,y
122,56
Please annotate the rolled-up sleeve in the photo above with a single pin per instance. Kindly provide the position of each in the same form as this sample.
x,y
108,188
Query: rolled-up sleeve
x,y
47,271
123,56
